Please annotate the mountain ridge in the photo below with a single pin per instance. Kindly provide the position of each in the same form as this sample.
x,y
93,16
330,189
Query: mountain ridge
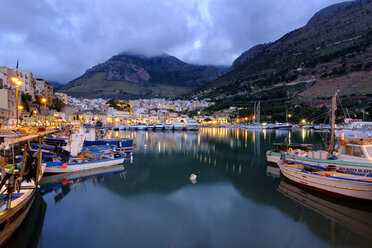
x,y
146,71
336,41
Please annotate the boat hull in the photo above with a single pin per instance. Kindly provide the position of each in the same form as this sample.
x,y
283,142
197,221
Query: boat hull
x,y
11,219
56,167
349,189
358,167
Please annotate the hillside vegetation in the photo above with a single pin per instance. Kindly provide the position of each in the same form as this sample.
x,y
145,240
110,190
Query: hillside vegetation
x,y
332,51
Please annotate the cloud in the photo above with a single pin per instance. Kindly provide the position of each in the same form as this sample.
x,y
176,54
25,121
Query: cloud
x,y
59,40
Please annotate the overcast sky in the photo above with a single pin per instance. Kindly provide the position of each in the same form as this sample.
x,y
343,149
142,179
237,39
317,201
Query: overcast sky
x,y
59,40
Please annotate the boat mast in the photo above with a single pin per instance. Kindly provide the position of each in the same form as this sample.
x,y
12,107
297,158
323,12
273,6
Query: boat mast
x,y
331,143
258,111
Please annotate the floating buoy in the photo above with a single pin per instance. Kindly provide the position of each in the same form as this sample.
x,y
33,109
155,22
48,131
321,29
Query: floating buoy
x,y
193,177
64,165
64,181
327,174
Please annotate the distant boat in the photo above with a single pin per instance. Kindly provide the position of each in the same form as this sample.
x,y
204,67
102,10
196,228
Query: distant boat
x,y
192,125
123,127
159,126
279,125
168,126
141,126
356,130
133,126
178,126
150,127
334,183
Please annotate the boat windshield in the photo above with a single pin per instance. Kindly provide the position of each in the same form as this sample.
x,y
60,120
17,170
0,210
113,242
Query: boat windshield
x,y
353,151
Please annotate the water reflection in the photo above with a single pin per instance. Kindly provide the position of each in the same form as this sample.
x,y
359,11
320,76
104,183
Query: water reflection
x,y
61,184
235,202
357,217
28,233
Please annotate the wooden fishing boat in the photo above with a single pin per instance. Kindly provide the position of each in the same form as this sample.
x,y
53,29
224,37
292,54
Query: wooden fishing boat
x,y
17,194
354,155
79,164
335,183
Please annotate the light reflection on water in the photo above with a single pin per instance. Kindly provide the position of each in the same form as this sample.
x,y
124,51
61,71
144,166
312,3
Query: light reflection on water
x,y
234,202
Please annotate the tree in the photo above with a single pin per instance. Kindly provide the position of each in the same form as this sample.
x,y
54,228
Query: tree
x,y
57,104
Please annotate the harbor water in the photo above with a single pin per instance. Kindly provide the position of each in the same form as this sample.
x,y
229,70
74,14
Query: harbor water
x,y
236,200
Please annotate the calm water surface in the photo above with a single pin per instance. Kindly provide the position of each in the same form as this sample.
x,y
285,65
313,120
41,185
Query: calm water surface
x,y
236,201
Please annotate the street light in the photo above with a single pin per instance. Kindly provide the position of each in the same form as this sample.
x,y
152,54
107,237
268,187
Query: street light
x,y
35,114
20,107
44,100
17,83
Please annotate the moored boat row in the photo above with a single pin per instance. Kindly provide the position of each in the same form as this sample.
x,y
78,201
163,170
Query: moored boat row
x,y
190,125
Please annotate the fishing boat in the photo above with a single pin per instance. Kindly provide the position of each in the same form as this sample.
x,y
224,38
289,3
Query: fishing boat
x,y
83,164
168,126
192,125
353,215
353,155
178,126
340,184
18,188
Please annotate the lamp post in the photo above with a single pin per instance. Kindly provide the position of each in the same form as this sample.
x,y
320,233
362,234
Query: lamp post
x,y
20,107
35,115
289,116
44,100
17,83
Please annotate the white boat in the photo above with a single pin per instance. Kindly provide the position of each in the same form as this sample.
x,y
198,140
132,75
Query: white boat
x,y
178,126
133,127
123,127
356,130
356,156
150,127
159,126
64,167
330,182
192,125
168,126
141,126
279,125
254,126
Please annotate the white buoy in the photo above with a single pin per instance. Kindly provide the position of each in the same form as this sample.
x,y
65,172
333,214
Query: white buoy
x,y
193,177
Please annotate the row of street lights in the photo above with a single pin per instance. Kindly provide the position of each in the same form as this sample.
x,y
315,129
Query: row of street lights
x,y
17,82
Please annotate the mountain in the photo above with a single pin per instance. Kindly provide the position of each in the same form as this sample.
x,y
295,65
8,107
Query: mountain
x,y
130,75
332,51
55,85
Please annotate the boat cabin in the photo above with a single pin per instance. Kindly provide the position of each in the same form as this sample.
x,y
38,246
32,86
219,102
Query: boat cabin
x,y
355,152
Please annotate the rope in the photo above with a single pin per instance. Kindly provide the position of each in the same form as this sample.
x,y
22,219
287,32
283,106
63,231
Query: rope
x,y
348,115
